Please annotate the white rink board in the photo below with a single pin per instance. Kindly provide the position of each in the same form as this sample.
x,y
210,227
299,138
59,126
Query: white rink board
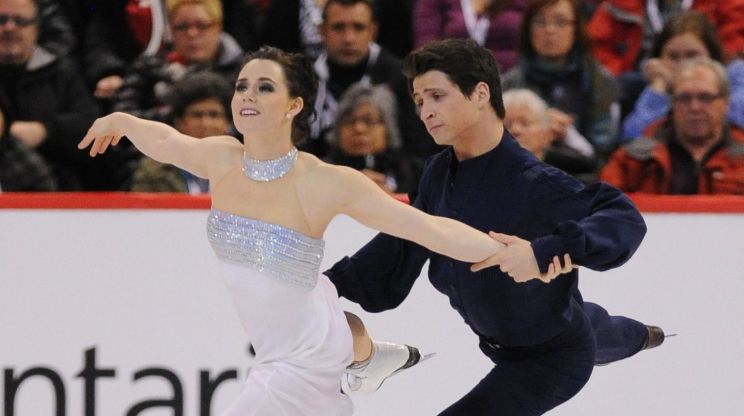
x,y
139,291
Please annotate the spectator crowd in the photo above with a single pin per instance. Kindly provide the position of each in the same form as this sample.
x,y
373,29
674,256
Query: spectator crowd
x,y
647,95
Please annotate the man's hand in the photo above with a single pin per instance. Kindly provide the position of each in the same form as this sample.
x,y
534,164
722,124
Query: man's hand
x,y
30,133
106,87
518,261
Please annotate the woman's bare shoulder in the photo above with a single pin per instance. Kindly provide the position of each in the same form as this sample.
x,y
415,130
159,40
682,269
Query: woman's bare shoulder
x,y
322,172
222,147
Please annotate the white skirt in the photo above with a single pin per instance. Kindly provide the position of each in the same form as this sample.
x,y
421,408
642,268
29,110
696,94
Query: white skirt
x,y
303,344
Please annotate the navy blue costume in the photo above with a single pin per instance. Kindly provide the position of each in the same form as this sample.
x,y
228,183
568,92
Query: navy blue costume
x,y
543,337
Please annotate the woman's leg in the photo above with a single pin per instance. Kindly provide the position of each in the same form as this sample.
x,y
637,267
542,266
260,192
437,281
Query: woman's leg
x,y
362,341
374,361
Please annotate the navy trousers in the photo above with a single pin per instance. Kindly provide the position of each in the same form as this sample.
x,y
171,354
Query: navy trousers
x,y
529,381
617,337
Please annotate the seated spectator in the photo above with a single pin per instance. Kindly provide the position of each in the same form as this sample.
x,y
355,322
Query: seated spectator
x,y
198,44
557,64
695,151
200,105
21,169
527,118
492,23
622,31
116,32
685,36
51,104
301,22
366,137
351,55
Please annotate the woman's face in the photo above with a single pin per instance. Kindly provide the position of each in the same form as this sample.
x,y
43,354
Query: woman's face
x,y
681,48
196,35
261,101
362,132
552,31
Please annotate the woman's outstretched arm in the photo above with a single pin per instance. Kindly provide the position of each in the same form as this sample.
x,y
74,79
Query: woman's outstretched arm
x,y
356,196
156,140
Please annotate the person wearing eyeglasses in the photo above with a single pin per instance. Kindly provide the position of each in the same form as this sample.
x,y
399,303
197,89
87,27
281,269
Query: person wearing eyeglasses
x,y
685,36
198,43
50,101
200,105
696,150
557,64
622,31
365,137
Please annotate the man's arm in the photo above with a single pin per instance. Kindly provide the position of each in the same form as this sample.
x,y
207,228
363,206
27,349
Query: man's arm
x,y
381,274
598,226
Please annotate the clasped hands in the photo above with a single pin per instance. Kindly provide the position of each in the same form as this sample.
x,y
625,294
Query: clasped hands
x,y
518,261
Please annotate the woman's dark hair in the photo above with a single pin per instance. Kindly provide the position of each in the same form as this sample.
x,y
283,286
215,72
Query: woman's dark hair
x,y
199,86
301,82
463,61
693,22
581,36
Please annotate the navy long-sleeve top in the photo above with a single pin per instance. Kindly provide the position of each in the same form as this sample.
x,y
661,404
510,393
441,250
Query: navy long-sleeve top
x,y
509,191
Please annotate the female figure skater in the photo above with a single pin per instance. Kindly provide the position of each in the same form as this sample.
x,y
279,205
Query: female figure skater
x,y
270,207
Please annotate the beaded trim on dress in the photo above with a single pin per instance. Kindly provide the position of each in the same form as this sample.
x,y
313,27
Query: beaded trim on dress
x,y
283,253
268,170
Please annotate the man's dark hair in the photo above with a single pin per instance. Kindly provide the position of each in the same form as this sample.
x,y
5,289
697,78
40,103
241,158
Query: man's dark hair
x,y
463,61
199,86
348,3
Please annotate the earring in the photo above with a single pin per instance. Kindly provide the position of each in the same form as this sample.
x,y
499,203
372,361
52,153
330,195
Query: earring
x,y
288,115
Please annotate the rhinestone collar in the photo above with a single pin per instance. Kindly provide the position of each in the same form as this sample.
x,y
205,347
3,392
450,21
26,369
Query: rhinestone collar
x,y
268,170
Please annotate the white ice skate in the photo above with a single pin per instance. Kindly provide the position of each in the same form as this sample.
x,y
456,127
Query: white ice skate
x,y
387,360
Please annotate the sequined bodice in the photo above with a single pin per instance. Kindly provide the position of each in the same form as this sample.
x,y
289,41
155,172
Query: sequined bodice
x,y
285,254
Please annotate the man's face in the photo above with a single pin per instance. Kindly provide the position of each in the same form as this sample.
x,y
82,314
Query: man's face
x,y
347,32
698,109
203,118
448,114
18,31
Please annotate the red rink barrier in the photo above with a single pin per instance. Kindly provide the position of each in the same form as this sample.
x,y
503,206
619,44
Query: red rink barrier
x,y
132,200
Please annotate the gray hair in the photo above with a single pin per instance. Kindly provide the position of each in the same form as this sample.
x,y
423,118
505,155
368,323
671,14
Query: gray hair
x,y
379,97
724,85
528,98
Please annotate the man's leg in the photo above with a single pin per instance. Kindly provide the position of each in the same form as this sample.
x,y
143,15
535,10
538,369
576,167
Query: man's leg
x,y
530,382
619,337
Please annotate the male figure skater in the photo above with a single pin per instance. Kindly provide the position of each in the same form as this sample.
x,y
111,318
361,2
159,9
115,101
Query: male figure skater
x,y
544,339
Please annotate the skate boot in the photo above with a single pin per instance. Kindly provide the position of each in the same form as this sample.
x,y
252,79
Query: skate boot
x,y
387,359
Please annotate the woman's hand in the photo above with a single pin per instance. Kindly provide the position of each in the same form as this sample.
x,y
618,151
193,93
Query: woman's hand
x,y
558,123
102,133
518,261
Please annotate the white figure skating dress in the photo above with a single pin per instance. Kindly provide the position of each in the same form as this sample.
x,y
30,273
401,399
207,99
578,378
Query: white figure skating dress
x,y
291,314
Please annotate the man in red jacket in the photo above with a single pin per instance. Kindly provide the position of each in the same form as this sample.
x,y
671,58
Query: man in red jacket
x,y
695,151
